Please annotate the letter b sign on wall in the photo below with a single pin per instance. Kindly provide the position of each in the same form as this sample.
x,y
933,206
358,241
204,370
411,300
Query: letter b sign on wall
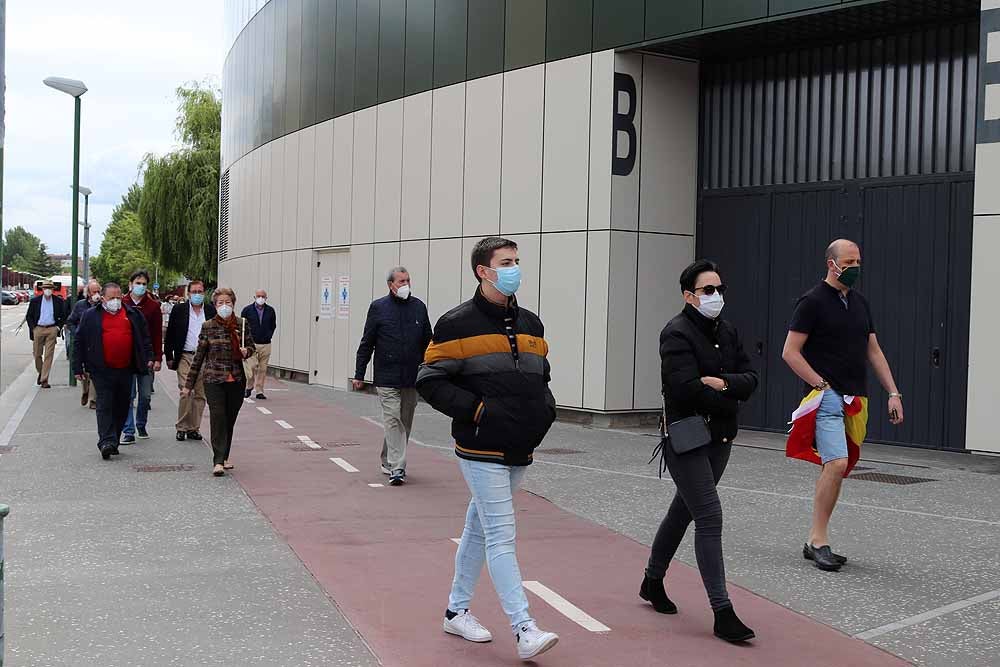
x,y
624,124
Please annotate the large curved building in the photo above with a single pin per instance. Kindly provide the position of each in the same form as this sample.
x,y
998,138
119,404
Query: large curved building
x,y
615,140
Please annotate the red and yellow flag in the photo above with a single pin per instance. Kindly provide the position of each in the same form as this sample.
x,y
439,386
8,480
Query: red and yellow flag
x,y
802,438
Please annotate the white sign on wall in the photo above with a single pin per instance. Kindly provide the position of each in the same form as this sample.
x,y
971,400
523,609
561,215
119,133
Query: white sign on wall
x,y
326,298
343,297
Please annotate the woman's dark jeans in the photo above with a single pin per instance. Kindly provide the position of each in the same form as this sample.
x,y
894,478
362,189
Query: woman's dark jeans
x,y
224,402
695,473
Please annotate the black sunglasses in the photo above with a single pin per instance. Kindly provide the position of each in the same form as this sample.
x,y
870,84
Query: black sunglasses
x,y
709,290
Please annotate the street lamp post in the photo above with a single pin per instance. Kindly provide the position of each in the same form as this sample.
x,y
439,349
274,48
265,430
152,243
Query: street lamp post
x,y
75,89
86,192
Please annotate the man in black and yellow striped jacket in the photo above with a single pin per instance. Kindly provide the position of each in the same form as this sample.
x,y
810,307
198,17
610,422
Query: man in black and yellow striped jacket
x,y
486,368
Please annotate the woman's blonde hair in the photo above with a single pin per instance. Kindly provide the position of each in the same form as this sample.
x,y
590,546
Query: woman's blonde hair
x,y
220,291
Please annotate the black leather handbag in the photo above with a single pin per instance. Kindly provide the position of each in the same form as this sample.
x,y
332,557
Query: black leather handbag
x,y
683,436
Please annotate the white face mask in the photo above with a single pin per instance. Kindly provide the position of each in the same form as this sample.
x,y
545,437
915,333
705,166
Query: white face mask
x,y
47,292
711,305
260,301
96,298
403,292
225,312
113,305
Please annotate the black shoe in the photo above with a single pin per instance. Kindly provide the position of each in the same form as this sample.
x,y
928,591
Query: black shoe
x,y
652,591
729,627
261,397
105,453
181,435
397,478
38,380
141,433
246,394
193,435
114,451
824,558
127,440
807,553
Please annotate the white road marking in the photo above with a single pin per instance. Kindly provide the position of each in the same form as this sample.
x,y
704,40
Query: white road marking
x,y
27,377
736,489
344,464
456,540
566,608
283,424
372,421
306,440
927,615
375,486
248,400
264,411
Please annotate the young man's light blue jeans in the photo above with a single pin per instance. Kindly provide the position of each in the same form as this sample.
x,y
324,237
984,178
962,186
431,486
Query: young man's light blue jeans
x,y
489,537
138,414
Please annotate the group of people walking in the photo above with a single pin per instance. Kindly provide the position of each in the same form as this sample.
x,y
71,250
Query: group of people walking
x,y
485,365
120,343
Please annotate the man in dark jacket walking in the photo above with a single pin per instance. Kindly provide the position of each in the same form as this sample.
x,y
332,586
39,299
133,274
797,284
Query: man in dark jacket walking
x,y
263,321
140,299
91,299
398,331
112,345
46,316
487,369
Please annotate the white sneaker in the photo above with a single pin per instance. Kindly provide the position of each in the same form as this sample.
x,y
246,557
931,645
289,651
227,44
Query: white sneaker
x,y
532,642
468,627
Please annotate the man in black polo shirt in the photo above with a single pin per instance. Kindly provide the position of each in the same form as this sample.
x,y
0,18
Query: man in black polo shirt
x,y
831,339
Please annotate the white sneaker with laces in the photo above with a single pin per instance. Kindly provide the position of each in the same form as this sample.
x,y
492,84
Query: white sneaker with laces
x,y
468,627
531,641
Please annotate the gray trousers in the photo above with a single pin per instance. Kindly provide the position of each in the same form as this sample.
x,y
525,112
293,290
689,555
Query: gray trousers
x,y
397,418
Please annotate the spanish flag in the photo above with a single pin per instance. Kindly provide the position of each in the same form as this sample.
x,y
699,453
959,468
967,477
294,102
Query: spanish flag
x,y
802,438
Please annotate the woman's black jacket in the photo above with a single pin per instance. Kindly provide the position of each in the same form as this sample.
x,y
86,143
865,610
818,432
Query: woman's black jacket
x,y
693,346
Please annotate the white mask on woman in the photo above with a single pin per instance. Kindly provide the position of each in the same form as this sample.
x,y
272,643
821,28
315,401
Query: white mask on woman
x,y
225,312
711,305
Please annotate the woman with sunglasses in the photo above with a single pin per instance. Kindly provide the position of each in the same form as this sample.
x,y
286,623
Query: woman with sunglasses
x,y
705,375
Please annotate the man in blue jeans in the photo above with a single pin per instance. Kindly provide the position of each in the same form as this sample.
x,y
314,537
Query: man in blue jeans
x,y
142,383
486,368
831,340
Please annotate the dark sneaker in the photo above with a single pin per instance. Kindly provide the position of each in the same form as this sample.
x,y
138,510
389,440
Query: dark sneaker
x,y
261,397
181,435
105,453
114,451
652,591
823,558
397,478
807,553
194,435
246,394
127,440
141,433
729,627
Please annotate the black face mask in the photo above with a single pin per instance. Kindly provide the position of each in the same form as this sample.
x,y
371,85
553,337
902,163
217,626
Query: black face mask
x,y
848,275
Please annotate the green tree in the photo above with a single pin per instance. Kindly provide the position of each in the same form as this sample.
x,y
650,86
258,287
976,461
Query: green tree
x,y
122,250
23,251
179,205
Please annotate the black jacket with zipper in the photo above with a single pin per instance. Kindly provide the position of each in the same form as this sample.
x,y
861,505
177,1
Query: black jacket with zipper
x,y
493,384
397,331
693,346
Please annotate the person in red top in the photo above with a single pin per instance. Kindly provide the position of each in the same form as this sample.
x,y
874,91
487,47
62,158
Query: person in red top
x,y
112,345
142,383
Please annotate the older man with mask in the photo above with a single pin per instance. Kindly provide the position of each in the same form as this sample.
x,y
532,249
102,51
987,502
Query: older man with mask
x,y
397,331
91,298
46,316
831,341
262,320
180,345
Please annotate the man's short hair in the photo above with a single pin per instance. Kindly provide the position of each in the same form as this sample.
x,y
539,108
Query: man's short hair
x,y
689,276
140,273
391,275
831,250
196,281
110,285
482,253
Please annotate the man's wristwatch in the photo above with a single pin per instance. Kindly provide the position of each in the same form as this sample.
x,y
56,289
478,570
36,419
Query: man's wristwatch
x,y
896,394
822,386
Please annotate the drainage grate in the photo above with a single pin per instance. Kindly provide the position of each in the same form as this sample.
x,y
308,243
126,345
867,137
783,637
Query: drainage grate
x,y
171,467
342,444
861,468
886,478
303,447
559,450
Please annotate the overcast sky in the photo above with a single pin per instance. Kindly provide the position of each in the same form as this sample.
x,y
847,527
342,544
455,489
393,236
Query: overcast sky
x,y
132,54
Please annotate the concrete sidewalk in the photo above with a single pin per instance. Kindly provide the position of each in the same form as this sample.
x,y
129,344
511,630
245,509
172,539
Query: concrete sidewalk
x,y
108,566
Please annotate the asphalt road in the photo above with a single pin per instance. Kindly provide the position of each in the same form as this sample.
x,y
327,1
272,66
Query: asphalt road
x,y
15,348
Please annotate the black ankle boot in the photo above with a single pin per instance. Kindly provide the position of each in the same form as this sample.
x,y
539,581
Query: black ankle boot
x,y
728,626
652,591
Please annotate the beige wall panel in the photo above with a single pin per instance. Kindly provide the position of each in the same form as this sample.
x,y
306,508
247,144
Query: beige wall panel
x,y
601,124
362,259
987,176
984,357
447,161
595,354
307,187
445,279
388,170
304,308
625,189
469,282
288,319
290,196
276,226
562,309
266,191
343,179
414,256
521,171
416,186
621,321
529,251
565,170
363,194
386,257
323,199
483,140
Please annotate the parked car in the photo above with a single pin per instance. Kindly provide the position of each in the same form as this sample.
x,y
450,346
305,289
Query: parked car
x,y
10,299
24,295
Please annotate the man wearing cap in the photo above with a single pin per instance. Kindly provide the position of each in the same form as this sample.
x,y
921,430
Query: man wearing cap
x,y
46,316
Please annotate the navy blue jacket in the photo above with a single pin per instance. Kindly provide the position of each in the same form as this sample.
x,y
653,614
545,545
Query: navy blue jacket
x,y
88,350
261,329
79,308
398,332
